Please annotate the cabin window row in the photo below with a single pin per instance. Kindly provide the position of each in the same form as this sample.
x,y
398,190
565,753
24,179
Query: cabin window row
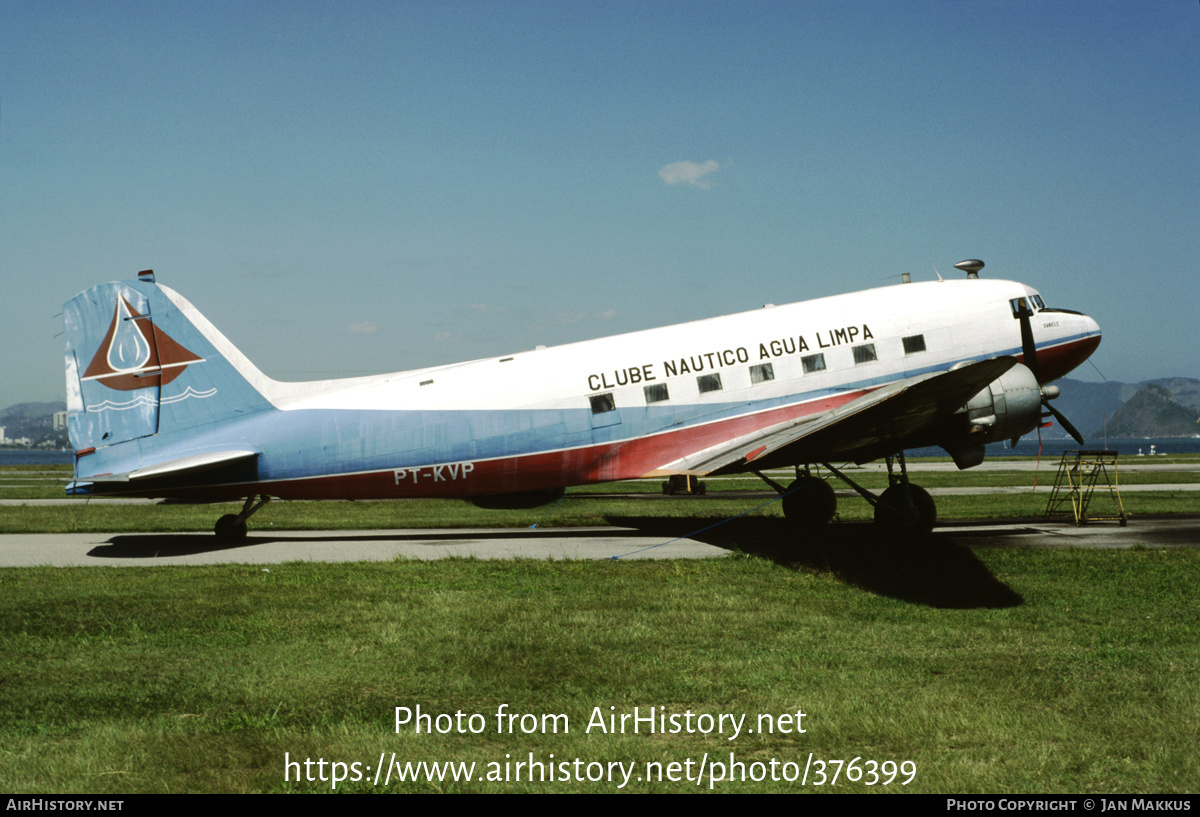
x,y
761,373
658,392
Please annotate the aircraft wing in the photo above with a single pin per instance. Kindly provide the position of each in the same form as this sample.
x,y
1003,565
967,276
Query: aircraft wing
x,y
871,426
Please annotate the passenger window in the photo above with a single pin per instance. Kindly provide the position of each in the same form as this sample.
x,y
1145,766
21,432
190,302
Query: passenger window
x,y
762,373
864,353
813,363
656,392
602,403
709,382
914,344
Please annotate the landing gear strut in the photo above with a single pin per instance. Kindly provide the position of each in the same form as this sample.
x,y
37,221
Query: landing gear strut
x,y
232,527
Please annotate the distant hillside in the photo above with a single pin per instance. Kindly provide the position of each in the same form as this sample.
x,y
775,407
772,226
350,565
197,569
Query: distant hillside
x,y
34,421
24,410
1153,412
1185,391
1158,412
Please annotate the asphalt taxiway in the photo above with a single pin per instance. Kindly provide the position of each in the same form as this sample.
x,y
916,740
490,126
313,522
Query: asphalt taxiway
x,y
643,539
263,546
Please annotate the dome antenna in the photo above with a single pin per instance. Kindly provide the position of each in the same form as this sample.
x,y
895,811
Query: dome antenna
x,y
971,266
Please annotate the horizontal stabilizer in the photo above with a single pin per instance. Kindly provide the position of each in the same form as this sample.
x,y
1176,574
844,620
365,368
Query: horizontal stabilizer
x,y
180,467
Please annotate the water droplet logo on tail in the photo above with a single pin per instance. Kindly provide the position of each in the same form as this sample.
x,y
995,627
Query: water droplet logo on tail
x,y
137,354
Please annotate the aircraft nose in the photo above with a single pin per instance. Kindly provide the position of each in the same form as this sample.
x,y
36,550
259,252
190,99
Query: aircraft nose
x,y
1090,340
1080,335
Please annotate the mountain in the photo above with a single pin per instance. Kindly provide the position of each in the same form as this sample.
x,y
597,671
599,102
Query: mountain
x,y
1185,390
34,421
1167,407
1153,412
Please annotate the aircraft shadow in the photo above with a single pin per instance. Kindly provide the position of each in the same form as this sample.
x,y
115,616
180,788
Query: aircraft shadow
x,y
160,545
939,571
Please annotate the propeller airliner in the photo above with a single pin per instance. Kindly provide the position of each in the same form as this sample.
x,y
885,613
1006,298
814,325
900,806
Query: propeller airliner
x,y
161,404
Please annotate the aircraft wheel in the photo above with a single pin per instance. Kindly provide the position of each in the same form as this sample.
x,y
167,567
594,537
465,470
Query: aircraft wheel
x,y
894,513
810,503
229,528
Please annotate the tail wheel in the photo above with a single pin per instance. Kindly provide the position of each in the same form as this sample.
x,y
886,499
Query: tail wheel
x,y
809,503
896,513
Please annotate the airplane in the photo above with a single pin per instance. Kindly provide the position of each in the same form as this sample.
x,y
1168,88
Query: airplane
x,y
162,405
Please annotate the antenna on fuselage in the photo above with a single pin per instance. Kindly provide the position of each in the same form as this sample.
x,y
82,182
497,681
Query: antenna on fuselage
x,y
971,266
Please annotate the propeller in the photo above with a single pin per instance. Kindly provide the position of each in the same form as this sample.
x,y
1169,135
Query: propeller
x,y
1029,352
1049,393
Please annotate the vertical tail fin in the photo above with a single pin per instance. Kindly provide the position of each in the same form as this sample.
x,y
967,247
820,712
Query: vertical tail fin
x,y
141,361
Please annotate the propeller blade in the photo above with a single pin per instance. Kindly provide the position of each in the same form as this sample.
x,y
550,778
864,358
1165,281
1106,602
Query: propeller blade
x,y
1064,422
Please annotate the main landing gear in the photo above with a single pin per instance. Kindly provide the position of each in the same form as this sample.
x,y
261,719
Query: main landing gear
x,y
808,503
903,509
232,527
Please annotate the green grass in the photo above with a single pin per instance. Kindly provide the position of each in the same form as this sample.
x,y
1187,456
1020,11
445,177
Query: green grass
x,y
997,671
1048,671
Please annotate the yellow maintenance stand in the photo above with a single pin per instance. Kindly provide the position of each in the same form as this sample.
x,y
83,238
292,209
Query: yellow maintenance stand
x,y
1079,475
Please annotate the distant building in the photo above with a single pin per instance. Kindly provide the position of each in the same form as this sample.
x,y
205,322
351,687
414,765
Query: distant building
x,y
60,420
2,434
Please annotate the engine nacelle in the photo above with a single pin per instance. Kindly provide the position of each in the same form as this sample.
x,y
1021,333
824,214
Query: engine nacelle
x,y
1009,407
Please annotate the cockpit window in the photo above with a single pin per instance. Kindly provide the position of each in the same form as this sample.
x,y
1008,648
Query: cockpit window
x,y
1031,304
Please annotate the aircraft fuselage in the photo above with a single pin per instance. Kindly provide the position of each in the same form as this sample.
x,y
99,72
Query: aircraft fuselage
x,y
633,405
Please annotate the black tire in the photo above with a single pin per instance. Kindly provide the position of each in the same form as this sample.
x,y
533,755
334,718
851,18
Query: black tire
x,y
229,529
809,503
894,514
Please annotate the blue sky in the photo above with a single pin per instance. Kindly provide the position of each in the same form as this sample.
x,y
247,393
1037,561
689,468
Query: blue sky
x,y
345,188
